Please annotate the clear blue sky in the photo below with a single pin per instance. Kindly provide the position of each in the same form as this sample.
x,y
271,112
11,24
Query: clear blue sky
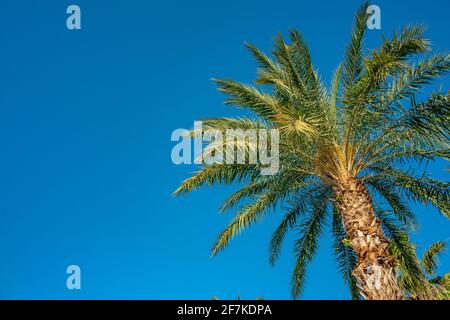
x,y
86,117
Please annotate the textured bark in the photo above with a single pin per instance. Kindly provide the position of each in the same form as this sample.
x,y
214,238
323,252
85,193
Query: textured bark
x,y
374,271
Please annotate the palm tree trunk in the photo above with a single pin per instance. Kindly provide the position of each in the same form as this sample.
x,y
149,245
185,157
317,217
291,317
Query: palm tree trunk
x,y
374,271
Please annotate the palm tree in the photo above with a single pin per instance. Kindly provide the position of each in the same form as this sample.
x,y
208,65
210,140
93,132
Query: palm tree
x,y
343,153
432,287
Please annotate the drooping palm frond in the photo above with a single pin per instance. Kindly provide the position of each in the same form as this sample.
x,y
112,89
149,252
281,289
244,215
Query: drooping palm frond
x,y
249,214
305,247
403,251
345,255
218,173
423,189
300,205
394,200
264,201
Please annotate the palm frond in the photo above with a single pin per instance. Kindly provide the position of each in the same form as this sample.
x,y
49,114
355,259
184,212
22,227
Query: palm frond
x,y
353,61
431,256
424,189
345,255
394,199
306,246
218,173
414,78
300,205
240,94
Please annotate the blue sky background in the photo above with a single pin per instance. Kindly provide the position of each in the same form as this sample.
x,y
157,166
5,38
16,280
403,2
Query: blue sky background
x,y
85,122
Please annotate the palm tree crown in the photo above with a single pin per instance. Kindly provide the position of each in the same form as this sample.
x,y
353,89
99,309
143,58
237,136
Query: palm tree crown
x,y
341,148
